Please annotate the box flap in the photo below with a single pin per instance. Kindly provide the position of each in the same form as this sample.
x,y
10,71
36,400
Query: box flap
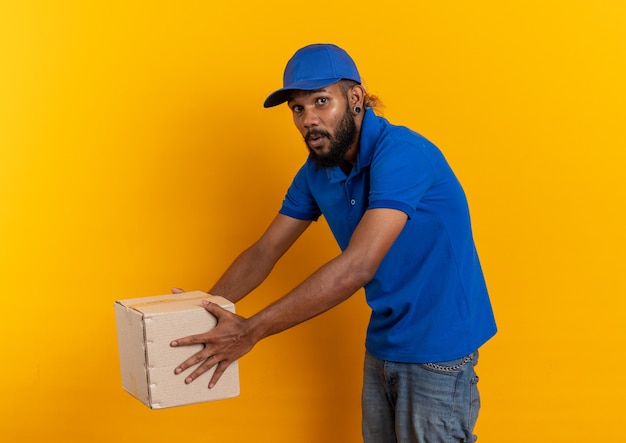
x,y
187,301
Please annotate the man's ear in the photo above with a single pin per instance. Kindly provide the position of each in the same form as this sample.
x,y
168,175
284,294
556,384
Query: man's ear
x,y
356,96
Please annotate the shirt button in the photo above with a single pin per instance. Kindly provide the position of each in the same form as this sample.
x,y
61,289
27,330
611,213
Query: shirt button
x,y
353,202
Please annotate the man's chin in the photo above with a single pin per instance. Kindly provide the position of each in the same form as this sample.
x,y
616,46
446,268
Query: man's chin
x,y
325,161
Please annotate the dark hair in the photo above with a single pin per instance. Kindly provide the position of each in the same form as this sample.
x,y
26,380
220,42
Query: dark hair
x,y
369,101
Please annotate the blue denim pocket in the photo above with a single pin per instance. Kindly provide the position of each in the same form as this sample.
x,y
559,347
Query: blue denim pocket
x,y
452,367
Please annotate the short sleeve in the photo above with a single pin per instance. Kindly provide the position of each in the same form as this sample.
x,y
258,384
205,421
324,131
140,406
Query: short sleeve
x,y
299,202
401,173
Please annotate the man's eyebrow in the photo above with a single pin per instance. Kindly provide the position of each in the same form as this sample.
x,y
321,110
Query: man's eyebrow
x,y
306,93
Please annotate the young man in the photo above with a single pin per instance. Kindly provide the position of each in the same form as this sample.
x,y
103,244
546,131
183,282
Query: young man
x,y
401,220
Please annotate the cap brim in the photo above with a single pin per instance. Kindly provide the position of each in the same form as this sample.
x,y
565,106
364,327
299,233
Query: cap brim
x,y
282,95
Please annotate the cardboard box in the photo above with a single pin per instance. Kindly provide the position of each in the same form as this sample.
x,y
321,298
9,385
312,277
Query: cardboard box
x,y
145,328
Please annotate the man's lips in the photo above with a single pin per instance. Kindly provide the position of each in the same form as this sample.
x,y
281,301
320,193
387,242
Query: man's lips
x,y
315,139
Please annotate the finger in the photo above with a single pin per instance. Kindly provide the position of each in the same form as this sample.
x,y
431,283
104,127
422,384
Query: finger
x,y
198,339
177,291
204,367
192,361
215,309
219,370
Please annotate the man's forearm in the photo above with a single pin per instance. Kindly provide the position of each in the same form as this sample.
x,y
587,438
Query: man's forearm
x,y
253,265
247,272
332,284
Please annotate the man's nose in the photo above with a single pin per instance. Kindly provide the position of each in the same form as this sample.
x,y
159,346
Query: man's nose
x,y
310,118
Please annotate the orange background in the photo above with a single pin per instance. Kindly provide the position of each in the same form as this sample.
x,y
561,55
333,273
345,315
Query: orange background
x,y
135,155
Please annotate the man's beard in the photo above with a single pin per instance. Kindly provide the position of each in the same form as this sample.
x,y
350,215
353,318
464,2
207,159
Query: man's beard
x,y
340,143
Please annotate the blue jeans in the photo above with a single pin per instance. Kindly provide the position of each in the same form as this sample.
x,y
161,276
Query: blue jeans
x,y
420,403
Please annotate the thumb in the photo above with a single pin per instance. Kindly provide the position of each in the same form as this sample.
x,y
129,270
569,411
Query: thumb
x,y
214,309
177,291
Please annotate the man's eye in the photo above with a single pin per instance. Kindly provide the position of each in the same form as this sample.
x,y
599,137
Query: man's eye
x,y
297,108
322,100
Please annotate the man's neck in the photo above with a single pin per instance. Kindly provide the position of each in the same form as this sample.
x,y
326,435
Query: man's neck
x,y
346,166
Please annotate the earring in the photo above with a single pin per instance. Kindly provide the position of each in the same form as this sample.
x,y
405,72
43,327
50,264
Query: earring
x,y
357,110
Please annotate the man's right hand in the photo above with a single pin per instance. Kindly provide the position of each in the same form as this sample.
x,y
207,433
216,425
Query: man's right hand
x,y
227,342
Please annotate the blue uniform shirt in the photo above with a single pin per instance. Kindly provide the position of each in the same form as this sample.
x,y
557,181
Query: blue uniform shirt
x,y
428,298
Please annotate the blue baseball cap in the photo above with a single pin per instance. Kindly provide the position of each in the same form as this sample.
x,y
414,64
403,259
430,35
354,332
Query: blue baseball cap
x,y
314,67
